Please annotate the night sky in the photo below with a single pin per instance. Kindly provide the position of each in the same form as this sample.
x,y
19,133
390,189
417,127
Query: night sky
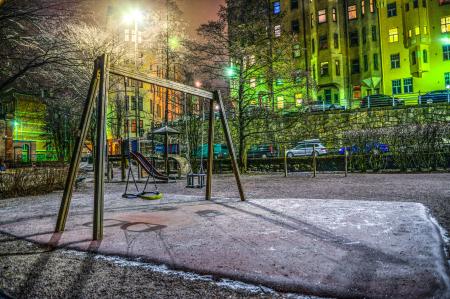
x,y
197,12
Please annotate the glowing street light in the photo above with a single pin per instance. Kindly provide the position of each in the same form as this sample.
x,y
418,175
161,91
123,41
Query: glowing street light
x,y
230,71
134,15
198,84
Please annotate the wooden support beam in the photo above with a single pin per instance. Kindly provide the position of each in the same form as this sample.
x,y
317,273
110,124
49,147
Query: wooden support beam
x,y
76,154
210,165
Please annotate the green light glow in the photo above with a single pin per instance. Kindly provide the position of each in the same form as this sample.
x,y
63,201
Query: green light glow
x,y
230,71
174,42
445,40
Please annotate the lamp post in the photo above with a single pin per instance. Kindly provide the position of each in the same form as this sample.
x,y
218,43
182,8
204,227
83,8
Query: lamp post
x,y
136,16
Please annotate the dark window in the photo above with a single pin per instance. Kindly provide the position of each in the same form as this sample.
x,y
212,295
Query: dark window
x,y
407,6
354,39
424,3
392,9
133,103
374,33
447,79
395,61
324,69
446,51
408,85
396,86
337,65
336,40
366,63
327,94
375,61
413,57
425,56
313,46
323,42
294,4
141,104
355,66
276,7
416,3
364,35
295,26
127,103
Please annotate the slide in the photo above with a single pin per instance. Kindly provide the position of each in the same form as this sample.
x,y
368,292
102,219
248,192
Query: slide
x,y
148,167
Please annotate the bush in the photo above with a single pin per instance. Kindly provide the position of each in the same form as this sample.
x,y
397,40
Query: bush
x,y
31,181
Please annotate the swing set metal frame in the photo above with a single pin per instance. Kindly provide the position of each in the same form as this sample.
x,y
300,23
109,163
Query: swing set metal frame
x,y
98,92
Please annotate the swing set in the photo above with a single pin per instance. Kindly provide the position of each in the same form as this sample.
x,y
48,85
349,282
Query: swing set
x,y
98,96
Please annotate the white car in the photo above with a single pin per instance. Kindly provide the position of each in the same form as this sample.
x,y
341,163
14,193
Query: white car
x,y
307,148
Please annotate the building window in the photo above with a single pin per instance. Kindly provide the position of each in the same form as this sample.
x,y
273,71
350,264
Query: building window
x,y
277,30
374,33
407,6
336,40
424,3
355,66
413,57
425,30
445,24
133,126
396,86
322,16
446,51
354,39
392,9
337,65
327,94
294,4
324,69
141,103
364,35
280,102
408,85
416,3
363,8
372,5
417,30
375,61
447,80
393,35
313,46
352,14
425,56
295,25
333,15
395,61
366,63
296,52
276,7
323,42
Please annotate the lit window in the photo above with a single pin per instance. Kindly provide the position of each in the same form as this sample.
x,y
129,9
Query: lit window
x,y
363,7
324,69
334,15
298,99
253,82
408,85
337,65
445,24
276,7
322,15
280,102
277,30
296,51
392,9
446,51
396,86
417,30
352,14
372,5
447,79
395,61
393,35
410,33
425,30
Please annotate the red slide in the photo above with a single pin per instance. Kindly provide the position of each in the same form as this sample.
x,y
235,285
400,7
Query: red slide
x,y
148,167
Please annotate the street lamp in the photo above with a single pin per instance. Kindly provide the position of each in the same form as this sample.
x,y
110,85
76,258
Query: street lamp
x,y
135,16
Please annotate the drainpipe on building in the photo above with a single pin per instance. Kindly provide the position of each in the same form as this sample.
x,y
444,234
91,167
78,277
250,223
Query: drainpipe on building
x,y
306,48
349,71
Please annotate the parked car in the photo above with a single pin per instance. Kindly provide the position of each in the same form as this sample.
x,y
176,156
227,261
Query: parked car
x,y
307,148
436,96
380,100
369,147
262,151
320,106
220,151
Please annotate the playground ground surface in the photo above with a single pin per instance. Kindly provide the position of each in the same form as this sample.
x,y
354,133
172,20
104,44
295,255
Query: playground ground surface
x,y
365,235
